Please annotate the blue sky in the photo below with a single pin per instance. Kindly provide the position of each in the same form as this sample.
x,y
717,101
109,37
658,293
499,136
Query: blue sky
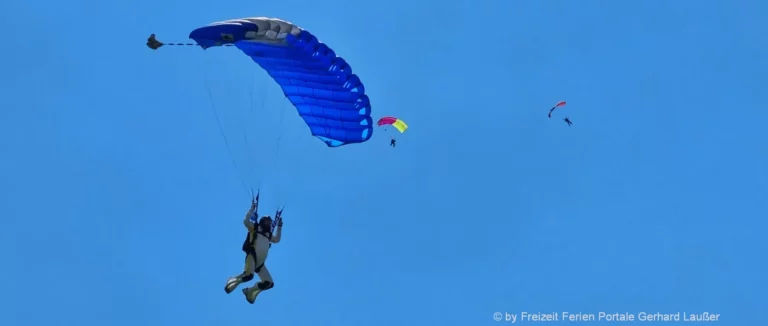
x,y
120,204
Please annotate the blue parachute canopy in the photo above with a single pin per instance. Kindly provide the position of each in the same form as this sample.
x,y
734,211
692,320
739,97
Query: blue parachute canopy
x,y
327,95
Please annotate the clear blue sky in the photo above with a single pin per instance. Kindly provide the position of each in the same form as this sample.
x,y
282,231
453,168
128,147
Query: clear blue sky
x,y
120,205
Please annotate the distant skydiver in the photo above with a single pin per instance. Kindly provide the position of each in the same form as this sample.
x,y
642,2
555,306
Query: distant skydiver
x,y
400,125
568,121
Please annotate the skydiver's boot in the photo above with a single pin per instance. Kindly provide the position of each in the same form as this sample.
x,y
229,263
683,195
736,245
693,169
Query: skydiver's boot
x,y
252,292
235,281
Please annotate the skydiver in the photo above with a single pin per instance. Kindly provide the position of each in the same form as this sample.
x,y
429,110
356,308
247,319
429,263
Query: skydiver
x,y
568,121
256,247
392,142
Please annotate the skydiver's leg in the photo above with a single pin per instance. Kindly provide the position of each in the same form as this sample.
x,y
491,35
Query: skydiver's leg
x,y
266,279
246,276
266,282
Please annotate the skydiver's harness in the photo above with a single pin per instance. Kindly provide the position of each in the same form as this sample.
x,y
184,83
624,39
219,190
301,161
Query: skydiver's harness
x,y
248,244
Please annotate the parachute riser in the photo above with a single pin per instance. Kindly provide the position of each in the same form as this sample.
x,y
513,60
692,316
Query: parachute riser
x,y
278,217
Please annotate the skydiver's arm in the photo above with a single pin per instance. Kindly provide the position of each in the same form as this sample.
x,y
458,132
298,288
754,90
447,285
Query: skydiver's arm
x,y
247,221
278,234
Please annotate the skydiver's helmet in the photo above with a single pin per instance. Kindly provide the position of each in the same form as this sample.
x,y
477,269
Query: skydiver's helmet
x,y
266,223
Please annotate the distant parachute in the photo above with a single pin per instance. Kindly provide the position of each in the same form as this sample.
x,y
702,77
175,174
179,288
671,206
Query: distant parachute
x,y
559,104
400,125
326,94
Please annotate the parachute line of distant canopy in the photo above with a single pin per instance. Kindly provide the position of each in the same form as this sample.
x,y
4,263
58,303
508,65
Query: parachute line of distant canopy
x,y
327,95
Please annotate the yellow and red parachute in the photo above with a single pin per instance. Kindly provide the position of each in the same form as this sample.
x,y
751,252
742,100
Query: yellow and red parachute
x,y
400,125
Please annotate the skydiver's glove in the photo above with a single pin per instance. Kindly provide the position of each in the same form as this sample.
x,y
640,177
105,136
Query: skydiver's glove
x,y
280,223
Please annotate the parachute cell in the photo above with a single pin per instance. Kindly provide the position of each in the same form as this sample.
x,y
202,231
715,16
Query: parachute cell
x,y
326,94
400,125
